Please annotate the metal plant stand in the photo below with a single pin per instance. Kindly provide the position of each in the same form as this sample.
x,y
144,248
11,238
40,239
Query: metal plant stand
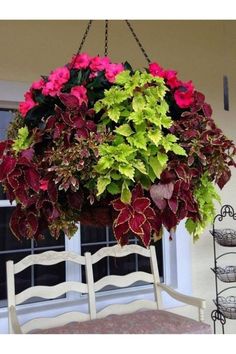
x,y
225,306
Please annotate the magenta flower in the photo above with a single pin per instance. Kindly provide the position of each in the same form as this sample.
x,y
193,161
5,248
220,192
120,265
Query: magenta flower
x,y
38,85
29,103
112,70
80,61
184,95
156,70
80,92
171,79
55,81
99,64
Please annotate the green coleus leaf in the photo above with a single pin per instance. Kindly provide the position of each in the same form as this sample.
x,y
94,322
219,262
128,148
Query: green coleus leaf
x,y
102,183
23,140
113,188
156,166
139,140
155,136
125,193
123,77
138,103
124,130
178,150
127,170
116,176
114,113
162,158
104,163
139,165
136,117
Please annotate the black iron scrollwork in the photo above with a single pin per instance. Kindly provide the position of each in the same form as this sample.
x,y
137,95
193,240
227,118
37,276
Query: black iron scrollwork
x,y
226,210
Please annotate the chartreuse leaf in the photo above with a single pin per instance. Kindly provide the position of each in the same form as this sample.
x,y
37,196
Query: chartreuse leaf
x,y
178,150
23,140
162,158
123,77
104,163
138,140
125,193
102,183
114,113
138,103
139,165
124,129
156,166
205,194
155,136
127,170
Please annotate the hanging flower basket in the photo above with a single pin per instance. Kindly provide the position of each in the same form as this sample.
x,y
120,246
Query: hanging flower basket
x,y
99,142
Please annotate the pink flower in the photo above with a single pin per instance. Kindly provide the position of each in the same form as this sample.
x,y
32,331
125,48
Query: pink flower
x,y
80,92
55,81
38,85
80,61
29,103
112,70
184,94
171,79
156,70
99,64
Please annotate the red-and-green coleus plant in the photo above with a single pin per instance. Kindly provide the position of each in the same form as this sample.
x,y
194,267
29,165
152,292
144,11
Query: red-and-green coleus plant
x,y
97,135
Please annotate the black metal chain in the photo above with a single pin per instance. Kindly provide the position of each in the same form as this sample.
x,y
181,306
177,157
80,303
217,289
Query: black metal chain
x,y
85,36
106,39
138,41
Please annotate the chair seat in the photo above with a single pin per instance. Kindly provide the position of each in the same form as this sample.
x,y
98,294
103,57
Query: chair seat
x,y
141,322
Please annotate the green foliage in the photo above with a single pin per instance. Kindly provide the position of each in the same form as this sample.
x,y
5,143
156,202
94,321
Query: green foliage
x,y
205,194
23,140
135,110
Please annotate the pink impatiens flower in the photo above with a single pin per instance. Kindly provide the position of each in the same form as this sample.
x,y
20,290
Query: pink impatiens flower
x,y
38,85
184,95
80,92
80,61
99,63
56,80
112,70
29,103
171,79
156,70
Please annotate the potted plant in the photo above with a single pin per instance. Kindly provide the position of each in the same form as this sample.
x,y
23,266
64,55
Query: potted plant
x,y
101,143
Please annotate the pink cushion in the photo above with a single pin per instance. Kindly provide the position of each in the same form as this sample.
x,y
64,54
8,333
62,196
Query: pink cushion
x,y
142,322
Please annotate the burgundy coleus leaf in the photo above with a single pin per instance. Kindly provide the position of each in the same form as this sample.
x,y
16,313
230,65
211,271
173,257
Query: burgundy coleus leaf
x,y
137,192
23,161
75,199
6,167
123,216
32,224
223,178
52,191
22,195
57,132
118,204
70,101
120,230
173,205
207,110
32,179
50,123
135,222
146,234
16,215
79,122
169,219
167,176
82,133
190,160
90,125
14,178
140,204
3,145
181,173
159,192
9,192
67,118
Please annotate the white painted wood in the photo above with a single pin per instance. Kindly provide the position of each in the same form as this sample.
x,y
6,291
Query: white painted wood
x,y
61,320
90,282
10,294
122,281
119,309
48,258
156,277
50,292
13,321
118,251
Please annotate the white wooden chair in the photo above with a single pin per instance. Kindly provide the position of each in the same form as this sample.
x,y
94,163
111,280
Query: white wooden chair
x,y
45,292
129,279
98,321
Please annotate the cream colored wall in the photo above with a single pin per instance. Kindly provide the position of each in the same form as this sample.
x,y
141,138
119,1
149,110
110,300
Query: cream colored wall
x,y
202,51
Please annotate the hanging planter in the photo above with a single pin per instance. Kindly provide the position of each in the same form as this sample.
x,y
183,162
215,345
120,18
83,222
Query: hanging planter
x,y
139,148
